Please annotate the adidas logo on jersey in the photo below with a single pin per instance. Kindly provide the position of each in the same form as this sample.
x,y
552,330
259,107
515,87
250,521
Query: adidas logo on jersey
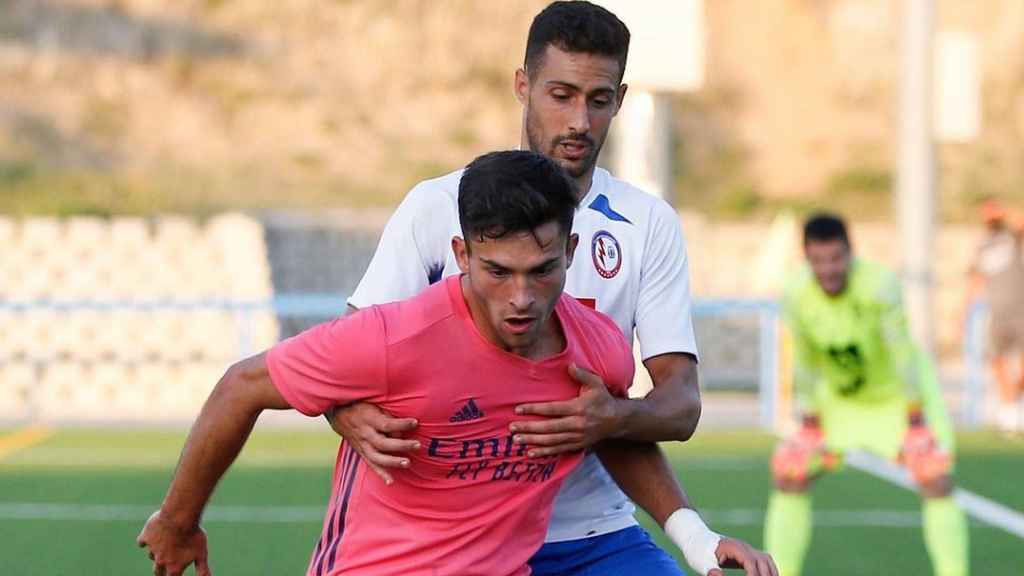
x,y
469,411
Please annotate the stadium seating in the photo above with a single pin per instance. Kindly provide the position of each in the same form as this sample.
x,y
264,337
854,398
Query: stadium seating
x,y
127,318
16,382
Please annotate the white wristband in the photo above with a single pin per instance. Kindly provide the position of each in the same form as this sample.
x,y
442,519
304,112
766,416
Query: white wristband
x,y
698,543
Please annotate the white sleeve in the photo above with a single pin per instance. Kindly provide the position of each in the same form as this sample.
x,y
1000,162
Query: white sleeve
x,y
413,247
663,312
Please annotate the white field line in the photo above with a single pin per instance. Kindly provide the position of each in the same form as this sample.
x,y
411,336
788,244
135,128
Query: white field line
x,y
119,512
978,507
15,511
722,464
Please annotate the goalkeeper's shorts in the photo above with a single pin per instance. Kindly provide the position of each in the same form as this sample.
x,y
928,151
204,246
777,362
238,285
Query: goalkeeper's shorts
x,y
878,427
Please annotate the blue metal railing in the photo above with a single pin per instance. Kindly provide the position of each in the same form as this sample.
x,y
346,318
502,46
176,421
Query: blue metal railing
x,y
326,305
976,384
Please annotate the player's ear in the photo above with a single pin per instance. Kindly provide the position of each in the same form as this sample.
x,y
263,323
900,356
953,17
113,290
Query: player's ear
x,y
570,248
461,250
521,86
620,95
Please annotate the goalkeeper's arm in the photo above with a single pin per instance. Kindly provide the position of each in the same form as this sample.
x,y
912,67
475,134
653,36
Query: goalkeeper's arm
x,y
900,345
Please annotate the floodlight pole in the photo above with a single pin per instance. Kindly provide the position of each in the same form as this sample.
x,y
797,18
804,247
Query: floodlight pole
x,y
642,145
916,205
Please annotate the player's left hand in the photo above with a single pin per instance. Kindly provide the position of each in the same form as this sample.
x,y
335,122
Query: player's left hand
x,y
926,460
574,424
732,553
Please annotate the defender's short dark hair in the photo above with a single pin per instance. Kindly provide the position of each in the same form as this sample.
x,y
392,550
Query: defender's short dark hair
x,y
825,227
577,26
502,193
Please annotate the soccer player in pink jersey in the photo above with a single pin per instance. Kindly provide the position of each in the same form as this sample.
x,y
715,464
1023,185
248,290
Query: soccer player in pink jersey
x,y
459,358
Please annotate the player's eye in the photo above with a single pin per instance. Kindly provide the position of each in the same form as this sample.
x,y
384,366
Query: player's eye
x,y
498,272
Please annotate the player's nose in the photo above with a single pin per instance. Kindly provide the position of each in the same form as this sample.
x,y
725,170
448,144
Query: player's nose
x,y
521,297
579,118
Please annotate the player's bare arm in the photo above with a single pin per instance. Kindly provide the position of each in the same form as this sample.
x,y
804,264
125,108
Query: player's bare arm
x,y
172,534
644,474
669,412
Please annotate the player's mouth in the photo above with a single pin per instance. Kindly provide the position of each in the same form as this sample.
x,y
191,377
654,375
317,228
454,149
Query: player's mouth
x,y
573,149
519,324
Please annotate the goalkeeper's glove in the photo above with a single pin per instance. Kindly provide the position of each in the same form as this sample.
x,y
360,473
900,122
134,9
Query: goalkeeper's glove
x,y
921,452
803,455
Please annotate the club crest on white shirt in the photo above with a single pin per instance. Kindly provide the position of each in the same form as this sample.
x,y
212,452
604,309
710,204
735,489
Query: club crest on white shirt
x,y
606,253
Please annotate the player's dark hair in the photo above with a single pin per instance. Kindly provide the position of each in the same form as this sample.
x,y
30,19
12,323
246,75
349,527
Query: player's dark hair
x,y
825,227
502,193
579,27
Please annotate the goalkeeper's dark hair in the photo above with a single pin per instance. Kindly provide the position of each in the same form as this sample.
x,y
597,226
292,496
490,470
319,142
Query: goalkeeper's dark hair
x,y
825,227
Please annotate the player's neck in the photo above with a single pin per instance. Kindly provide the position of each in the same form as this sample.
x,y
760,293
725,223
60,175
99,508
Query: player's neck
x,y
583,184
843,290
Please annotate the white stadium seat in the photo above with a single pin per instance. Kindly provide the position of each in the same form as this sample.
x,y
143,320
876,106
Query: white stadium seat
x,y
40,234
34,279
79,337
56,398
110,383
12,341
266,331
8,230
41,328
197,380
86,235
151,378
17,380
120,335
131,400
212,335
129,234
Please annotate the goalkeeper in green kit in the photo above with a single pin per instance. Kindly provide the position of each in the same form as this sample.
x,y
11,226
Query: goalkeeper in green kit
x,y
860,383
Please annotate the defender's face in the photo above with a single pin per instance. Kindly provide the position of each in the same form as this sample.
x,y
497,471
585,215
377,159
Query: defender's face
x,y
568,106
830,262
512,283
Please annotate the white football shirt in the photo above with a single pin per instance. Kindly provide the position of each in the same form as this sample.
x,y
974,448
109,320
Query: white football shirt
x,y
631,262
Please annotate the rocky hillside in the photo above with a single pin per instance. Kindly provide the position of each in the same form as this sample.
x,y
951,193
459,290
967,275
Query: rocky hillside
x,y
195,105
139,104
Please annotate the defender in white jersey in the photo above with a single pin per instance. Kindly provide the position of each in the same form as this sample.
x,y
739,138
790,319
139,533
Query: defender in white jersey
x,y
634,270
627,234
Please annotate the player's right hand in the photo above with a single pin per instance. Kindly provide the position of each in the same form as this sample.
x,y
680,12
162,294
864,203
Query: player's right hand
x,y
173,548
802,456
373,434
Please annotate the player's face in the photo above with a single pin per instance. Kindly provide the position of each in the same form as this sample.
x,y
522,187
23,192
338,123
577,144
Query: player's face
x,y
830,262
568,106
514,282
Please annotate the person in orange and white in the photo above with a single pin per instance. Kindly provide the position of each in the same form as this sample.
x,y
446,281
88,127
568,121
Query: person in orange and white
x,y
997,275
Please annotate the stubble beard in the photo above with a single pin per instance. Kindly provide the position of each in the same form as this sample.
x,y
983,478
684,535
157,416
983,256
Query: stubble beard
x,y
574,169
